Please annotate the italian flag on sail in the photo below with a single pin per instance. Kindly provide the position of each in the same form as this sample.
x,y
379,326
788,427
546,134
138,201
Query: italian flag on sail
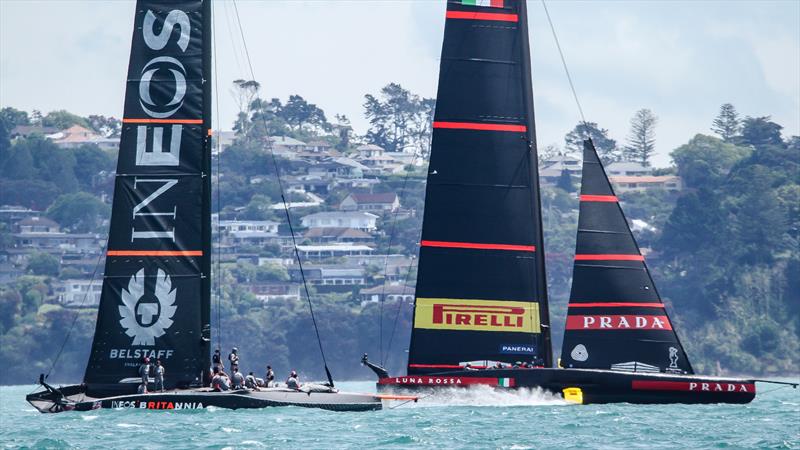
x,y
505,382
488,3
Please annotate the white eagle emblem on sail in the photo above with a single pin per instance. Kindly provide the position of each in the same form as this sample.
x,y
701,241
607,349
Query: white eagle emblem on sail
x,y
146,330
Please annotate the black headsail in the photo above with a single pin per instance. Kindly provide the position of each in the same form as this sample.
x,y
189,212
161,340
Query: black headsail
x,y
616,319
155,299
481,292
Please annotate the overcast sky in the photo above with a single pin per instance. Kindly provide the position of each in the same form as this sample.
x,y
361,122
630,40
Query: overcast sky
x,y
682,59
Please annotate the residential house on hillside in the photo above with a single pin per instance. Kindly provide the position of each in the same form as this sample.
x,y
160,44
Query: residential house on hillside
x,y
337,234
25,131
58,242
12,213
330,279
369,151
389,292
623,184
235,226
320,251
319,147
76,135
551,169
84,293
380,202
267,292
37,224
286,144
364,184
628,168
338,168
343,219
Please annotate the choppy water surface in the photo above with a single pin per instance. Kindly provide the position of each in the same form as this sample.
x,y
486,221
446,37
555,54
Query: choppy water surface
x,y
474,418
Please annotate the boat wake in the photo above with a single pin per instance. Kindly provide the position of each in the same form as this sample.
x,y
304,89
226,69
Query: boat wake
x,y
487,396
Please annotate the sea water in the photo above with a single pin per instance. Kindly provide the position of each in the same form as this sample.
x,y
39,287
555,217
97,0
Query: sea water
x,y
458,418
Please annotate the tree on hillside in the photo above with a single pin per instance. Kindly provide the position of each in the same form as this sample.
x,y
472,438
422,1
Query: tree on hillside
x,y
80,212
43,264
605,146
759,131
297,112
727,124
62,119
397,118
642,137
244,92
343,130
706,159
12,117
105,126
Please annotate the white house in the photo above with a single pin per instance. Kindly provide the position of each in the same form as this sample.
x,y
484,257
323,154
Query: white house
x,y
553,167
384,201
628,168
79,292
334,250
624,184
348,219
235,226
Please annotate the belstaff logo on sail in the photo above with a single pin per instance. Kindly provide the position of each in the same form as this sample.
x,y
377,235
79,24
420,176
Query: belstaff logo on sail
x,y
143,320
477,315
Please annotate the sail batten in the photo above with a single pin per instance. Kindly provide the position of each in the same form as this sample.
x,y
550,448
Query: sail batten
x,y
615,317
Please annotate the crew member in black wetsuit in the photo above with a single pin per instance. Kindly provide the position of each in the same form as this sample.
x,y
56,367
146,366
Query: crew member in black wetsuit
x,y
216,360
269,378
233,357
144,372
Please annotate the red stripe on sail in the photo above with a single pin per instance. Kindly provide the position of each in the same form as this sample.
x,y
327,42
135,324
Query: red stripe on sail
x,y
599,198
482,16
615,305
609,257
480,126
496,3
618,322
478,246
183,121
155,253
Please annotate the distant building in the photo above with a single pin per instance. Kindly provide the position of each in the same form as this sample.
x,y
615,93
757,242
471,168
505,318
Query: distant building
x,y
235,226
338,168
268,292
344,219
48,241
628,168
334,250
389,292
76,135
13,213
337,234
30,130
319,147
386,201
552,168
286,143
37,224
330,279
369,151
84,293
624,184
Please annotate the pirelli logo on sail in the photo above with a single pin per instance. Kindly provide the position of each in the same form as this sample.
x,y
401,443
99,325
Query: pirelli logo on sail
x,y
477,315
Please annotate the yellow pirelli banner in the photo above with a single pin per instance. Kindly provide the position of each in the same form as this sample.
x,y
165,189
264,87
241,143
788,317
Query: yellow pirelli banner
x,y
477,315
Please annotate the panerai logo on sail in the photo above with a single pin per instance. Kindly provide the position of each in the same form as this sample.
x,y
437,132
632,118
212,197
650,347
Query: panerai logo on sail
x,y
146,317
476,315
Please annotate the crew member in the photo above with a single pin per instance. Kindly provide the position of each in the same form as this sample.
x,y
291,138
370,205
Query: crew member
x,y
237,378
269,379
216,359
144,372
159,375
220,381
233,357
292,382
250,382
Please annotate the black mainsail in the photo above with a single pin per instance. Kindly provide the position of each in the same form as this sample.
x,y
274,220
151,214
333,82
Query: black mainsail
x,y
155,298
481,290
616,319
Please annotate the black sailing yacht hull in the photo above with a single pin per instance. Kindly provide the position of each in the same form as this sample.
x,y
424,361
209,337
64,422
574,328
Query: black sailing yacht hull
x,y
73,398
596,386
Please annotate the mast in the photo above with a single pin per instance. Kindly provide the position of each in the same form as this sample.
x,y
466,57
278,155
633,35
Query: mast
x,y
481,291
541,274
155,299
616,319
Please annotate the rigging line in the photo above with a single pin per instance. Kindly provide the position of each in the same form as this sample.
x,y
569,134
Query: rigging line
x,y
232,38
77,314
286,209
397,312
219,195
563,61
386,259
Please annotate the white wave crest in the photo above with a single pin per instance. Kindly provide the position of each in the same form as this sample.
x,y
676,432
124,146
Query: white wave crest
x,y
480,395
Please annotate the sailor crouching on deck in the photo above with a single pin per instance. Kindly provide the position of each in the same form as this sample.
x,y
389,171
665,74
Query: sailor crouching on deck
x,y
237,378
250,382
292,382
220,382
